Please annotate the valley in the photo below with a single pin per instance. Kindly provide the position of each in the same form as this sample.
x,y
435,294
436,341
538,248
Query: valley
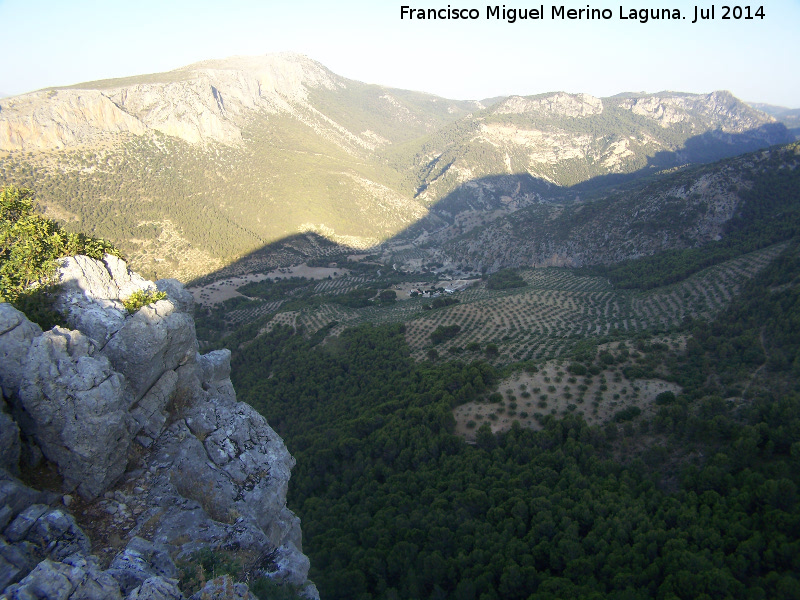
x,y
195,169
523,347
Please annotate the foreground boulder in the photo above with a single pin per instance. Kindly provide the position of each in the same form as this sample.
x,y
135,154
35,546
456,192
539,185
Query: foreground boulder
x,y
149,434
73,405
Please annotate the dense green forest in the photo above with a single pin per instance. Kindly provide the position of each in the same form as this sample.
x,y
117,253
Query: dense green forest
x,y
699,501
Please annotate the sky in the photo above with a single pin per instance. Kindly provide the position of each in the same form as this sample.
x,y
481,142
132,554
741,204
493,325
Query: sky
x,y
51,43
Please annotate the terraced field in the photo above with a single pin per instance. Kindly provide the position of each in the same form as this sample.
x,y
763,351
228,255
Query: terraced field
x,y
247,315
527,397
558,308
553,312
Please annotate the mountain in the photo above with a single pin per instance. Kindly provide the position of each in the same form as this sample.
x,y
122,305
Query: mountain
x,y
788,116
206,162
686,208
624,429
525,151
192,169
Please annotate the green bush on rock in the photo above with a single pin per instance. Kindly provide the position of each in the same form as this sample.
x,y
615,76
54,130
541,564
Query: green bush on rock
x,y
29,247
141,298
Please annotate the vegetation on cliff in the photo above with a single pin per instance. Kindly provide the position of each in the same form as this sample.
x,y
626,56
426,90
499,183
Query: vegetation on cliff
x,y
29,247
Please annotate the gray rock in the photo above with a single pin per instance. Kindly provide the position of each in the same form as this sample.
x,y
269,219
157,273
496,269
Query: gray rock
x,y
150,412
51,580
16,336
41,532
219,477
77,578
57,531
291,565
157,338
32,531
75,409
251,466
96,584
309,590
214,474
10,446
9,573
223,588
107,279
156,588
18,559
140,561
177,294
91,292
214,366
15,497
20,526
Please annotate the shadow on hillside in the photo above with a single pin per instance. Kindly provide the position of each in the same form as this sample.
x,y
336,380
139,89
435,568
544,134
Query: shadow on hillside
x,y
507,191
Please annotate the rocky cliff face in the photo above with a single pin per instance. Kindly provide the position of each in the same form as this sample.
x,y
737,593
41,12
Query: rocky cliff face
x,y
150,445
202,102
210,101
684,209
536,144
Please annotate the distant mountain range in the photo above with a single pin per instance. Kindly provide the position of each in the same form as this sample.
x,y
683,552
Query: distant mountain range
x,y
788,116
191,169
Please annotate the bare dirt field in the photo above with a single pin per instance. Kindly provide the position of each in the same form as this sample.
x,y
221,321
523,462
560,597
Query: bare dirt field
x,y
223,289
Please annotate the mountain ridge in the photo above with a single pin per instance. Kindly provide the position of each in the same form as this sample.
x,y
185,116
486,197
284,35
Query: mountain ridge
x,y
195,168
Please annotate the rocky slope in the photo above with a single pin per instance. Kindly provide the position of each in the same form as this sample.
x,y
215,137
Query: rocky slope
x,y
195,168
253,148
684,209
151,449
211,101
526,149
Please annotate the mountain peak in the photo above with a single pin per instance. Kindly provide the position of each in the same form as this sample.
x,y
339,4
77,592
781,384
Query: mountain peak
x,y
204,101
556,103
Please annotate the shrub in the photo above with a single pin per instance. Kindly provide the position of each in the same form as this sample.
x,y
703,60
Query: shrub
x,y
29,247
627,414
387,296
203,565
606,358
505,279
665,398
444,332
141,298
577,369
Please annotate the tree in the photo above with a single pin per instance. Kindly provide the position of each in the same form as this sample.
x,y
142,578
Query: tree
x,y
29,247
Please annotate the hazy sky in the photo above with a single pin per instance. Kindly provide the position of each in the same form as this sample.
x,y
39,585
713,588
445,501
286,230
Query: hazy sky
x,y
47,43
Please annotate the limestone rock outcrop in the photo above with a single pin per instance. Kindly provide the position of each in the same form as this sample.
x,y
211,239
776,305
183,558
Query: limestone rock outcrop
x,y
17,334
207,101
73,406
149,433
